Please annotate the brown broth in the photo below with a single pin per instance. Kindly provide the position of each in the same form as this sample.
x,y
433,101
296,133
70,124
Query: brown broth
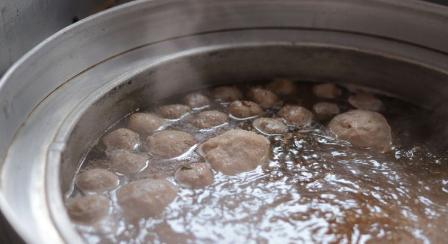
x,y
314,189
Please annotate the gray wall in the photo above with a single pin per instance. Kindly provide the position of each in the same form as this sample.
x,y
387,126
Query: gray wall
x,y
25,23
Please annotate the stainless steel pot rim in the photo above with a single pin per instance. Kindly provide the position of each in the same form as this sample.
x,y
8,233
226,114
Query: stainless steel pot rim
x,y
54,148
56,207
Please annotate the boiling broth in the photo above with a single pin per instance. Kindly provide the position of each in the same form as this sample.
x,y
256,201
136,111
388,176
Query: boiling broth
x,y
314,189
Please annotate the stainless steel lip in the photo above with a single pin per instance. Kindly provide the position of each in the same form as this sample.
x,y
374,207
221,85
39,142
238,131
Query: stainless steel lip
x,y
45,93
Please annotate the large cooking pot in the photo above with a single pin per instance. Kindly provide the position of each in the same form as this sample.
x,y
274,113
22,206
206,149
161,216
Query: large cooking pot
x,y
64,93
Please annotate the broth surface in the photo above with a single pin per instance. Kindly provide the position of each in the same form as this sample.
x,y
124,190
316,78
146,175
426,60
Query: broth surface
x,y
314,189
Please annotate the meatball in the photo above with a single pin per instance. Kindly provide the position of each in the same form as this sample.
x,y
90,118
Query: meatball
x,y
144,123
325,110
235,151
209,119
121,139
194,176
296,115
173,111
264,97
244,109
170,143
125,162
196,100
88,209
96,180
227,94
327,90
146,198
362,128
270,126
282,87
365,102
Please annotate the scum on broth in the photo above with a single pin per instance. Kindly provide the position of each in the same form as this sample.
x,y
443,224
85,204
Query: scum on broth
x,y
314,189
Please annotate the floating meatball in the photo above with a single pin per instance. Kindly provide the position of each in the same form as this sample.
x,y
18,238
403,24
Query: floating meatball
x,y
144,123
235,151
96,180
325,110
244,109
296,115
270,126
173,111
282,87
170,143
88,209
365,102
227,94
362,128
146,198
209,119
327,90
125,162
194,176
264,97
196,100
121,139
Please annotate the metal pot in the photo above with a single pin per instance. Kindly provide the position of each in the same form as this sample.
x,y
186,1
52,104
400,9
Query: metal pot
x,y
66,92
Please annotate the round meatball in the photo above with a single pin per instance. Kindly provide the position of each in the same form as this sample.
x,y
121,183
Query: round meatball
x,y
325,110
362,128
209,119
88,209
282,87
194,176
244,109
96,180
144,123
173,111
125,162
121,139
235,151
328,91
227,94
365,102
146,198
170,143
296,115
264,97
270,126
196,100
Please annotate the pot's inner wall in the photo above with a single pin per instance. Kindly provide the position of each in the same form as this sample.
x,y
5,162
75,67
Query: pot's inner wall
x,y
414,83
